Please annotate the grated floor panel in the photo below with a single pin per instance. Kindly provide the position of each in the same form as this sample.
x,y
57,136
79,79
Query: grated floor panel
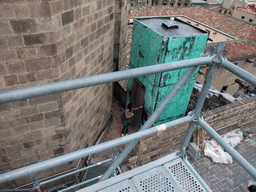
x,y
168,174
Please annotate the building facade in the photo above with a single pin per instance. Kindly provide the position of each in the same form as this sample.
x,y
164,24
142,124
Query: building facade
x,y
48,41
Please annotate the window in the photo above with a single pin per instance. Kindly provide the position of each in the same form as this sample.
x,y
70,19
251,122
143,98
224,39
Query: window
x,y
242,17
250,20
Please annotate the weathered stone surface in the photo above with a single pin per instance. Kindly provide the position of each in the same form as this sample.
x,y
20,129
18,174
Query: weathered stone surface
x,y
67,17
37,64
24,26
47,50
34,39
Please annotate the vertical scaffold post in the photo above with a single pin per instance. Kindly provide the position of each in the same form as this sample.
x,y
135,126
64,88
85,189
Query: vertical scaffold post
x,y
207,84
151,120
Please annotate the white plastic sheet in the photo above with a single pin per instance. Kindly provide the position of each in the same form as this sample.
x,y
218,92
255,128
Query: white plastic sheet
x,y
215,151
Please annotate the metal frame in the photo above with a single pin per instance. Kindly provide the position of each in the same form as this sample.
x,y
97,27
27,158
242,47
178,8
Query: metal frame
x,y
214,59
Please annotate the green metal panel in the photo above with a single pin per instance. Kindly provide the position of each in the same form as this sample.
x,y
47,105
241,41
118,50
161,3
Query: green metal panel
x,y
150,47
146,50
180,48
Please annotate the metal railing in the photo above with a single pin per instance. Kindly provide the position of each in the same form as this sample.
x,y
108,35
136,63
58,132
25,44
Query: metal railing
x,y
214,59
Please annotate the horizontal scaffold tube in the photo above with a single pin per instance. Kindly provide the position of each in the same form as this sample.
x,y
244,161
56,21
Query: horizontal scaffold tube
x,y
57,87
239,72
231,151
30,169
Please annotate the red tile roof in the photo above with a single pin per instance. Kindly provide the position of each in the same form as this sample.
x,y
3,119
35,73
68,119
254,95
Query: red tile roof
x,y
221,22
152,11
238,49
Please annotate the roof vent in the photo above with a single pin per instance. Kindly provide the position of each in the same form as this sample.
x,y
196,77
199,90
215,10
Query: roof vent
x,y
170,25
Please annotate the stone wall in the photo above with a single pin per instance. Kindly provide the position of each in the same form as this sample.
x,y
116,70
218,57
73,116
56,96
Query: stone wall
x,y
169,141
229,77
44,41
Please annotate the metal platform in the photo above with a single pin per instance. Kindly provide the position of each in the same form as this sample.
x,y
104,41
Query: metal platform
x,y
169,173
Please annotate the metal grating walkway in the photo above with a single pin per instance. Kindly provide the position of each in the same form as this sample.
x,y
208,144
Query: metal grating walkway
x,y
168,174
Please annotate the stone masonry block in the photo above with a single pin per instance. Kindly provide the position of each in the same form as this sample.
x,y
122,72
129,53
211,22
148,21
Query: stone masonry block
x,y
33,39
14,41
27,78
26,52
3,70
6,28
5,167
20,121
73,3
15,140
36,125
2,151
34,135
19,104
67,17
85,42
78,13
11,80
69,52
3,43
5,107
29,144
66,4
21,129
51,114
57,7
99,4
45,99
58,151
47,50
86,10
24,26
45,10
28,111
21,10
6,11
16,67
33,159
37,64
47,74
19,162
37,117
6,54
5,125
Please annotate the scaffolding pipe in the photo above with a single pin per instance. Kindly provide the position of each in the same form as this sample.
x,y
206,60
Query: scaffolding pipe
x,y
182,81
198,109
239,72
239,158
73,172
207,84
207,188
57,87
34,168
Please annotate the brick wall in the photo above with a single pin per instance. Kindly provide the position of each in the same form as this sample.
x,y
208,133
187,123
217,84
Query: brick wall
x,y
169,141
44,41
122,15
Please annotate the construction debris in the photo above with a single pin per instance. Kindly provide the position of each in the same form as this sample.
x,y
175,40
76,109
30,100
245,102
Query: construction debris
x,y
217,153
